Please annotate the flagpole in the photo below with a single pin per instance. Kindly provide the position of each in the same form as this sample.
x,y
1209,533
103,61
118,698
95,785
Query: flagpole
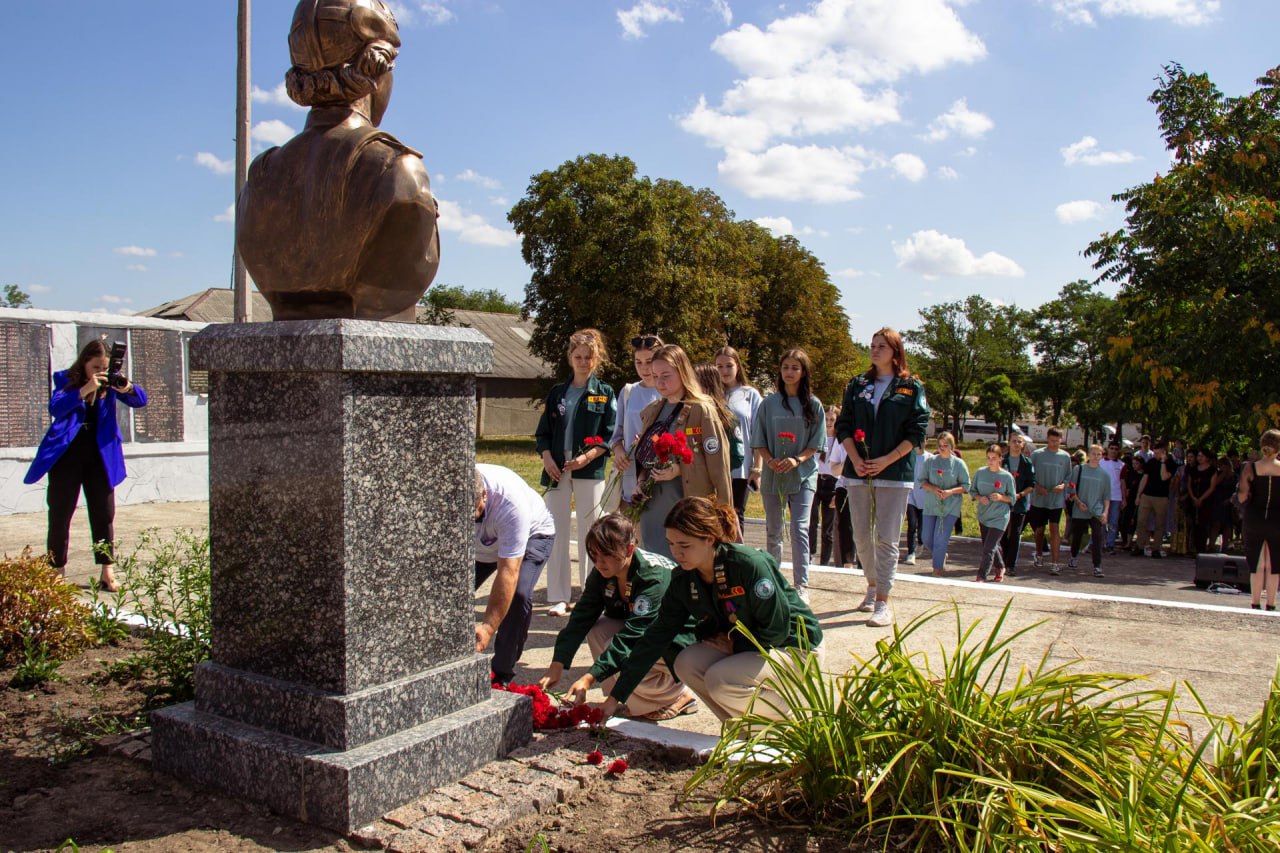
x,y
243,311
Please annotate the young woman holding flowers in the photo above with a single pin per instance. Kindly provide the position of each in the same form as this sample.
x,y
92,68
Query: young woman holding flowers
x,y
1259,495
787,433
1018,463
883,416
945,482
683,408
720,584
744,401
622,598
576,422
631,403
994,491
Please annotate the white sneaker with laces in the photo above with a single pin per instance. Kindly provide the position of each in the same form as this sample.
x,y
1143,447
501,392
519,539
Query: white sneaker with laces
x,y
868,601
803,592
1071,563
560,608
1055,569
1097,573
1037,562
882,617
909,560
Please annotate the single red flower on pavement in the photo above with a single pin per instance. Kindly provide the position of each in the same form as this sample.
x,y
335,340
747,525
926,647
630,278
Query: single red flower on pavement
x,y
859,435
618,767
595,757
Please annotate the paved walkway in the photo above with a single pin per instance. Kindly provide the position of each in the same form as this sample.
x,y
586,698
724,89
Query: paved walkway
x,y
1146,617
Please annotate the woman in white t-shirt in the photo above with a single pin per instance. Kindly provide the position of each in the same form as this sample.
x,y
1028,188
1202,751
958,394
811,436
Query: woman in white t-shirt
x,y
744,401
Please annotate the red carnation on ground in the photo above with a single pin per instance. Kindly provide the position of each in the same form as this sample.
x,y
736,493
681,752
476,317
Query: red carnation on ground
x,y
618,767
595,757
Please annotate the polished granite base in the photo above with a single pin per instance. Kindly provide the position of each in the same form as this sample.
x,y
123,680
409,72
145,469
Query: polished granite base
x,y
343,680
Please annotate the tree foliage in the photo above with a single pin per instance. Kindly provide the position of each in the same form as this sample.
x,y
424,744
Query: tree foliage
x,y
999,403
13,296
959,345
629,255
1198,263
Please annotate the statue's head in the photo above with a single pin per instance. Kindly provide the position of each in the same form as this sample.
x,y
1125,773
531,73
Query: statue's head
x,y
342,51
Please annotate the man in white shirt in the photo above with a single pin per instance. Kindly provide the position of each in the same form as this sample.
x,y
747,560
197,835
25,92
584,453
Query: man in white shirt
x,y
514,536
1114,466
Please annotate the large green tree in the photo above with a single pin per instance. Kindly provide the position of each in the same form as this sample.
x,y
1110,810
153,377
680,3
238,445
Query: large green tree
x,y
628,254
13,296
960,344
1198,263
1000,403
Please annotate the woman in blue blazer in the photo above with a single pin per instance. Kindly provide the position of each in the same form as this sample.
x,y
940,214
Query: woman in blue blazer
x,y
82,449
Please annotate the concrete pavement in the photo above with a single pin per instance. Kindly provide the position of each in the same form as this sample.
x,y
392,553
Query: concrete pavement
x,y
1145,617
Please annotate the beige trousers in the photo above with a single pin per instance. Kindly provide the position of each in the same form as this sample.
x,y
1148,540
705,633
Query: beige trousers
x,y
658,689
726,682
1148,506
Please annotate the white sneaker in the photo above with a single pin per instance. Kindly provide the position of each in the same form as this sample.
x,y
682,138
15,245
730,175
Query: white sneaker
x,y
1055,569
1037,562
1097,573
882,617
868,601
909,560
1071,563
560,608
803,592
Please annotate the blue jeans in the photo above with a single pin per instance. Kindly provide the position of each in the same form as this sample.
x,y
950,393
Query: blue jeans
x,y
508,645
799,503
937,536
1113,522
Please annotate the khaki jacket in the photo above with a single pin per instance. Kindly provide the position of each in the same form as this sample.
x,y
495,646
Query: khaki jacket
x,y
709,474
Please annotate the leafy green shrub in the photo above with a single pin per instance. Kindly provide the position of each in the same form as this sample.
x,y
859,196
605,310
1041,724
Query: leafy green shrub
x,y
38,610
166,583
978,756
37,666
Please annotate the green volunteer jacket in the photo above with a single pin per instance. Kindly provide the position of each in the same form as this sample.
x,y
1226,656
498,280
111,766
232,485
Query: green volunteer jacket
x,y
755,592
903,414
648,577
594,416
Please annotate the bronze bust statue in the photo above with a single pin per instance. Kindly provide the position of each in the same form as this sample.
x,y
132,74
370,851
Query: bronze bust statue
x,y
340,221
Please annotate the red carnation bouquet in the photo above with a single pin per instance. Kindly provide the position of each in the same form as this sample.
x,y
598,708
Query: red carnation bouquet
x,y
589,443
547,715
669,449
860,442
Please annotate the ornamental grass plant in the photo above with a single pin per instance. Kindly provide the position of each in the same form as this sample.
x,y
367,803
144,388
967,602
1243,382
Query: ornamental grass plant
x,y
978,754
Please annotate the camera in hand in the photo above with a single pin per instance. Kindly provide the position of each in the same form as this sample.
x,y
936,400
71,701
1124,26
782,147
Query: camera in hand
x,y
115,365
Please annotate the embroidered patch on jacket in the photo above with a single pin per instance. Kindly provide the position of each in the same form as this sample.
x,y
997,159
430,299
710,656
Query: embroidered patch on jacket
x,y
764,588
711,445
642,605
597,398
733,592
908,391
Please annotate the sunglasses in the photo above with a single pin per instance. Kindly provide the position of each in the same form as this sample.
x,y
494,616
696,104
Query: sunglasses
x,y
645,342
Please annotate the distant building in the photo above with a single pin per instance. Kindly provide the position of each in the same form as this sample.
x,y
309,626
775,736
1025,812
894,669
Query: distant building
x,y
508,399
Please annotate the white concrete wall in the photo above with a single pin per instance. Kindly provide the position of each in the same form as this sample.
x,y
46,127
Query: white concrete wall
x,y
174,471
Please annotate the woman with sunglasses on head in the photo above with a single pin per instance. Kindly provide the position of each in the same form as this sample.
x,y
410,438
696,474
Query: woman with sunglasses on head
x,y
571,436
632,400
883,416
788,432
684,409
744,401
720,584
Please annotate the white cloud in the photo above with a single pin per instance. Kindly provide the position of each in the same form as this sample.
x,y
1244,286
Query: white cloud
x,y
933,254
136,267
112,299
909,166
426,12
37,288
947,173
967,152
228,215
214,164
850,273
1187,13
473,177
135,251
779,225
792,173
500,200
1072,212
1086,153
865,41
273,132
721,8
643,14
473,228
855,229
959,120
278,96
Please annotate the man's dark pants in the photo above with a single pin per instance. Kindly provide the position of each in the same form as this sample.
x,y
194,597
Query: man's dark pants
x,y
508,645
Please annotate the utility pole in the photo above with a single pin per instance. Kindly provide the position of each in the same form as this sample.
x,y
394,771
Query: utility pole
x,y
240,279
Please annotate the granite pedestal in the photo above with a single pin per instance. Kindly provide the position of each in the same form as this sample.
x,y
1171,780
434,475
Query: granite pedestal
x,y
343,680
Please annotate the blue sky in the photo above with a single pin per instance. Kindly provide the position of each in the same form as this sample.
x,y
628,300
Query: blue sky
x,y
922,149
